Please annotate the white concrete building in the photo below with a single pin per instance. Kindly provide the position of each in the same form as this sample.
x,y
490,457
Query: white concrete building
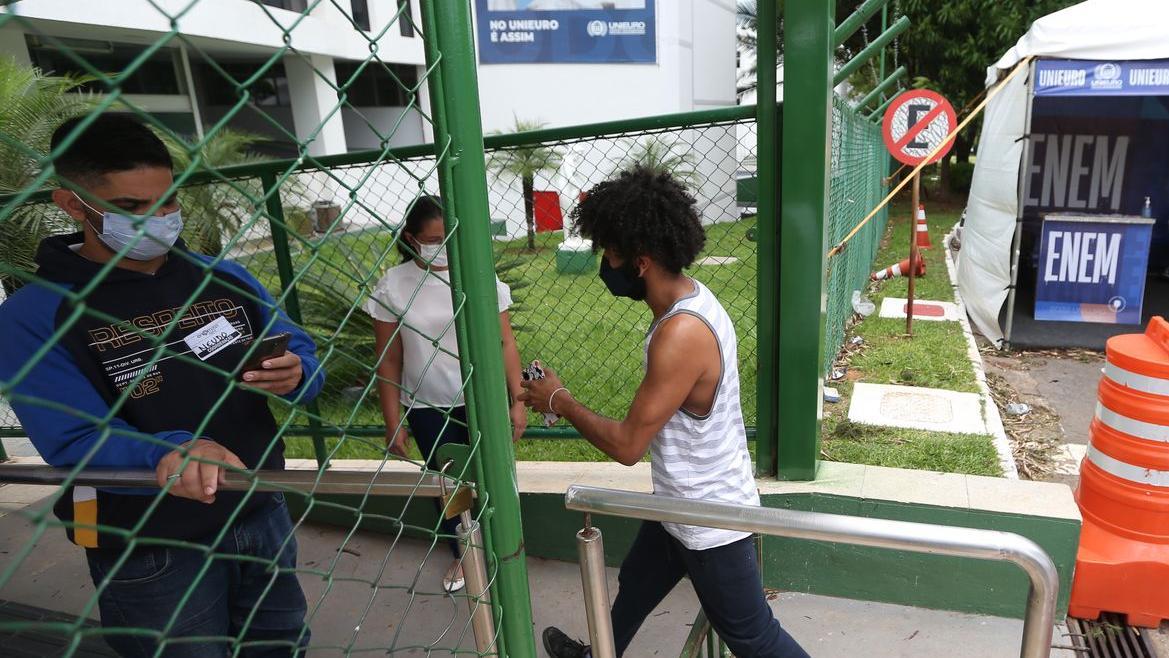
x,y
694,70
190,82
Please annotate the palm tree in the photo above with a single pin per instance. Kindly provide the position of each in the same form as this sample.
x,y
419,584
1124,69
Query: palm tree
x,y
32,105
660,156
525,163
214,211
747,29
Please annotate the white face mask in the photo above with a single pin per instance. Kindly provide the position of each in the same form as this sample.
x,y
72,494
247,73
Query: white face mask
x,y
158,234
433,254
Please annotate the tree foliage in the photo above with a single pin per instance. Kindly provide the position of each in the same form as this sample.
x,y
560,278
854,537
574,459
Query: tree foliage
x,y
525,163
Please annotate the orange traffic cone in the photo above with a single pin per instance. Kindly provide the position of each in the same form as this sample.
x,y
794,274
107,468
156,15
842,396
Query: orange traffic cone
x,y
900,269
1123,562
923,231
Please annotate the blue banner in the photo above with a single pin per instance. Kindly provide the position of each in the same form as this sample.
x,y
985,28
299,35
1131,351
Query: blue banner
x,y
1092,269
1070,77
566,31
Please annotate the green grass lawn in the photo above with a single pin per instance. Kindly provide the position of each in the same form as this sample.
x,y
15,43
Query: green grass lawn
x,y
569,322
596,343
934,357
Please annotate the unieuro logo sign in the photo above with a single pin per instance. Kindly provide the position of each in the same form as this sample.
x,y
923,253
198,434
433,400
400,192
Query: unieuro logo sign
x,y
1066,77
1107,76
564,31
1062,78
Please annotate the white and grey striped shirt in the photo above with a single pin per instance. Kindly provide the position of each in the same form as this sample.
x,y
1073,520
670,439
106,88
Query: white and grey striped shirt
x,y
705,457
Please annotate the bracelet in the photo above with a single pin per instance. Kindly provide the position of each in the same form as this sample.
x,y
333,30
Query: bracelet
x,y
553,397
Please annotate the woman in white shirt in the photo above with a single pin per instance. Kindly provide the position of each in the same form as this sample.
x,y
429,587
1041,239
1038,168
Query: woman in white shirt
x,y
413,313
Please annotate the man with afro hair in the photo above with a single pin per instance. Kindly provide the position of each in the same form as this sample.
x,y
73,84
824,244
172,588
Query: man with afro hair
x,y
686,413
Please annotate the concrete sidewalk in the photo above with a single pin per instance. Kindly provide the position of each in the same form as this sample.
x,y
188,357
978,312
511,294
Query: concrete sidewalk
x,y
406,613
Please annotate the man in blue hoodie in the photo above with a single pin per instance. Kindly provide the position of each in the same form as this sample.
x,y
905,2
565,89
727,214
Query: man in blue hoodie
x,y
128,351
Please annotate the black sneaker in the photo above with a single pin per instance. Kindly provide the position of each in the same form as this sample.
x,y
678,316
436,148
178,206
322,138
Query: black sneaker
x,y
559,645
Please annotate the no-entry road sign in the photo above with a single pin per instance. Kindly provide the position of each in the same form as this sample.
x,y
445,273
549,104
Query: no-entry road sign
x,y
916,123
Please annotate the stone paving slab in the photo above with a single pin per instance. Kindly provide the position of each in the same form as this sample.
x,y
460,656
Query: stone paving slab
x,y
913,407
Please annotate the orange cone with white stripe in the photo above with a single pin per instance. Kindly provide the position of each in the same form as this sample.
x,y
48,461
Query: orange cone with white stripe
x,y
900,269
923,230
1123,561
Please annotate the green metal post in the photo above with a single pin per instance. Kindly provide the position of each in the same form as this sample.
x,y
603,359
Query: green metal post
x,y
291,299
878,113
3,453
884,26
885,85
856,19
807,119
462,179
872,50
767,254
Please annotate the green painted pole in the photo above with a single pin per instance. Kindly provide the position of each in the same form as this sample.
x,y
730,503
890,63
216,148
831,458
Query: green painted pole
x,y
291,300
855,20
881,88
438,118
880,111
807,119
884,26
871,51
463,182
767,236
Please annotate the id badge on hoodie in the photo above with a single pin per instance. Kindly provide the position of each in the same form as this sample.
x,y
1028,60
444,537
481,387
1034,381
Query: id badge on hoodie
x,y
212,338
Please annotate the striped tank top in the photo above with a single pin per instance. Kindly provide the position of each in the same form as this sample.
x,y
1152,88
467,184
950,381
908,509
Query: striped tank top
x,y
705,457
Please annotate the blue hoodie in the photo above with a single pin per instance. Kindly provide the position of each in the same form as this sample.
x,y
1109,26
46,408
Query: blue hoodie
x,y
109,381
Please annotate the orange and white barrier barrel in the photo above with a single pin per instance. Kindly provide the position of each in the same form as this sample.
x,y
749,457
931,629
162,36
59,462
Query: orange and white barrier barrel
x,y
1123,561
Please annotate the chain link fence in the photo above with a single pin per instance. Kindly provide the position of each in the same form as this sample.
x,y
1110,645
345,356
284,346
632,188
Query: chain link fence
x,y
562,312
113,370
299,245
860,164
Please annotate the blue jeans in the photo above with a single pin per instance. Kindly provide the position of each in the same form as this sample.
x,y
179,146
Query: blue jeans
x,y
726,580
431,428
235,602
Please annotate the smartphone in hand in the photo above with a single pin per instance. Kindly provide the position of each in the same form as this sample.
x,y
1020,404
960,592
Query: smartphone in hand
x,y
269,347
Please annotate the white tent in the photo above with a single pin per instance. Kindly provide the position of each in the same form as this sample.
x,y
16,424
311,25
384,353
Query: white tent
x,y
1096,30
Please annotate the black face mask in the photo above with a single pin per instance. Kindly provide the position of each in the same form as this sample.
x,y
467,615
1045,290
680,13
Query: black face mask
x,y
623,281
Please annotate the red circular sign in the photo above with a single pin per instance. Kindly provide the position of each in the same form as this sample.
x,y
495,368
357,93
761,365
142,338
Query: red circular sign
x,y
915,124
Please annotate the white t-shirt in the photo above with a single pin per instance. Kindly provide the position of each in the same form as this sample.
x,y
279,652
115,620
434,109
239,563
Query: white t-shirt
x,y
421,302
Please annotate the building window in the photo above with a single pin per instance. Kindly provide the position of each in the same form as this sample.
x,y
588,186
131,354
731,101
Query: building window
x,y
360,13
270,90
405,18
158,75
298,6
374,86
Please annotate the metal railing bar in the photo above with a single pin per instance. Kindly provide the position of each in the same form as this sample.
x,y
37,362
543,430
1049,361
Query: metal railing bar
x,y
857,531
384,483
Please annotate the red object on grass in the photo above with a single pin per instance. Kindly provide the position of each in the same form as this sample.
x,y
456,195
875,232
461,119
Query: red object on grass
x,y
547,211
926,310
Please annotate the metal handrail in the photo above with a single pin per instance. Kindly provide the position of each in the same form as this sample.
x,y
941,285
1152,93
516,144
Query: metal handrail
x,y
857,531
332,481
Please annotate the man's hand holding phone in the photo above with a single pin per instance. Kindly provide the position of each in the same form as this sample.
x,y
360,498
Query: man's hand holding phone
x,y
272,367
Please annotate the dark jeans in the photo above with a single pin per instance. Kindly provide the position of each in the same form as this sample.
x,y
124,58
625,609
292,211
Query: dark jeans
x,y
234,602
726,580
431,428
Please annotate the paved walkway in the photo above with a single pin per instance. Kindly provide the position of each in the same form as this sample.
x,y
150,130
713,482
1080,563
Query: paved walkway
x,y
350,614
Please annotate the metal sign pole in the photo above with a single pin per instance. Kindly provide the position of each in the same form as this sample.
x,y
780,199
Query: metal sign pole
x,y
913,253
